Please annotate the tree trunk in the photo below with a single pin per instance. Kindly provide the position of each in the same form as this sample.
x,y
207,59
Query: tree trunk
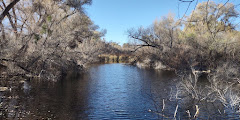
x,y
8,8
13,24
3,34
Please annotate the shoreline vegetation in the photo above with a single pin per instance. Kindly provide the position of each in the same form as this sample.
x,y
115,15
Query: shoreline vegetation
x,y
205,43
60,38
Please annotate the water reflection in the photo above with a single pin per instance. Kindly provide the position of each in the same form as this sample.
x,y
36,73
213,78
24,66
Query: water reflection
x,y
109,91
116,92
62,100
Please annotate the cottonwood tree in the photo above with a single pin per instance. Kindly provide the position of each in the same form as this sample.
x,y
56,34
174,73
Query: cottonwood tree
x,y
5,12
160,34
211,29
160,40
211,18
50,35
209,34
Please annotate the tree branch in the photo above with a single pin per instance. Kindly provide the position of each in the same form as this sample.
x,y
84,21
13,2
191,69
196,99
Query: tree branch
x,y
8,8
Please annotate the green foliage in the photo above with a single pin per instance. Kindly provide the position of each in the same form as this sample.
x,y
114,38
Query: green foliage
x,y
191,36
49,18
44,29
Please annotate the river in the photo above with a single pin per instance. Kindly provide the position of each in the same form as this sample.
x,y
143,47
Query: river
x,y
106,91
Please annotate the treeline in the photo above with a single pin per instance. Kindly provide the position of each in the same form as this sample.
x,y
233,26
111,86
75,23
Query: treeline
x,y
47,38
205,39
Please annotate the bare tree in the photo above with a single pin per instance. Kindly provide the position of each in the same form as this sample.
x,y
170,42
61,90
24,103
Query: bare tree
x,y
7,9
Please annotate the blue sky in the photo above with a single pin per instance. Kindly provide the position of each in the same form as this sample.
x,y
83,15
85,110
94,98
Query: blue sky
x,y
117,16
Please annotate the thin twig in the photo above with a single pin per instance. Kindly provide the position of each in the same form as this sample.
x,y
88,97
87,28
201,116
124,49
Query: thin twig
x,y
175,113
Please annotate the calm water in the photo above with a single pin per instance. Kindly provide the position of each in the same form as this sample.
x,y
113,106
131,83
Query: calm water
x,y
109,91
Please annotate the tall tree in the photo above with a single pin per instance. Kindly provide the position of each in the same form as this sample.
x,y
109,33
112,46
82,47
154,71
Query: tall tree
x,y
7,9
